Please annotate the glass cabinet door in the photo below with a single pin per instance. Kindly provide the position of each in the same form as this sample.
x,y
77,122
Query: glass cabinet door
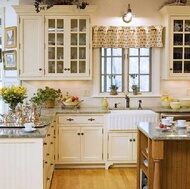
x,y
55,35
181,46
78,45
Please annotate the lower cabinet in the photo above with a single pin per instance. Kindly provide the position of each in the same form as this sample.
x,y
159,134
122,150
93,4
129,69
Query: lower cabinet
x,y
122,146
79,139
80,144
48,156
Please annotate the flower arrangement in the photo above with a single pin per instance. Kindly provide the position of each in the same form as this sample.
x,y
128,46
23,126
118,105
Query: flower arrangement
x,y
13,95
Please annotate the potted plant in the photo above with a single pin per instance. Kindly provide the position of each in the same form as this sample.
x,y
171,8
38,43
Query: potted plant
x,y
135,89
113,89
46,96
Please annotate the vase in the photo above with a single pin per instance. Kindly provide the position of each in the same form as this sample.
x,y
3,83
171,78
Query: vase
x,y
50,103
113,92
135,91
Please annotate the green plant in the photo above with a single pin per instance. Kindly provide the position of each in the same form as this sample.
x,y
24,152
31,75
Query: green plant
x,y
135,87
114,87
47,94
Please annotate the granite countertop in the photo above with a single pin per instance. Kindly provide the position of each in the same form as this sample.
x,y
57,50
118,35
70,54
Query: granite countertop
x,y
151,130
170,110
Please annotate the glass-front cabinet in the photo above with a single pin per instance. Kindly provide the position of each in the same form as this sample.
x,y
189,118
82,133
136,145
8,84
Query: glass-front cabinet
x,y
176,51
181,46
67,46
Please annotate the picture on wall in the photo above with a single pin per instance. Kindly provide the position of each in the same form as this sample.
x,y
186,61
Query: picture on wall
x,y
10,36
9,60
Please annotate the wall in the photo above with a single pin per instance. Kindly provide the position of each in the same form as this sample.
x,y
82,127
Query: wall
x,y
109,12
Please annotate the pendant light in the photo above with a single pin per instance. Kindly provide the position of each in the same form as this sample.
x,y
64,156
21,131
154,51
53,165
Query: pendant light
x,y
127,17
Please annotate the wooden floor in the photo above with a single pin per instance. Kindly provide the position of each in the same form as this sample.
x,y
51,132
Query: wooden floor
x,y
113,178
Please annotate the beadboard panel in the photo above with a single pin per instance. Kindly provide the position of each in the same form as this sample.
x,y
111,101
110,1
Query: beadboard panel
x,y
21,164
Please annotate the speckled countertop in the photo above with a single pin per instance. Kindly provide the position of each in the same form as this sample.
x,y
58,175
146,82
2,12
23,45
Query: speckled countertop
x,y
170,110
47,116
152,131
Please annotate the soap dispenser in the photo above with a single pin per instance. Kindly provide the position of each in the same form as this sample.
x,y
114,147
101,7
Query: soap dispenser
x,y
104,103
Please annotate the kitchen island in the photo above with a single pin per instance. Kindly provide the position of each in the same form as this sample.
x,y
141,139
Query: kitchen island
x,y
163,157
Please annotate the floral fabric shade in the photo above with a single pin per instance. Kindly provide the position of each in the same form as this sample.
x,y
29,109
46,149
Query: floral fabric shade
x,y
127,37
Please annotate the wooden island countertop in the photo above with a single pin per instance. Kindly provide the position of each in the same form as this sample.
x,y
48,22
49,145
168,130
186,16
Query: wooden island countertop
x,y
167,154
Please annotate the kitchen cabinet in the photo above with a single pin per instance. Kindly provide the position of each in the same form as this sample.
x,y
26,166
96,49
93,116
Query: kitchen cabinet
x,y
80,139
55,44
176,53
48,156
122,147
27,162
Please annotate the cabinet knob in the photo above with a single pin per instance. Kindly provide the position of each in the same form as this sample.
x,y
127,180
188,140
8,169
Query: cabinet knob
x,y
45,143
134,140
82,133
130,140
40,69
70,119
171,69
78,133
48,135
91,119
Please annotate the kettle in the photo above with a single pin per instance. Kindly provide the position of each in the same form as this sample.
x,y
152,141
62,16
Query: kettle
x,y
104,103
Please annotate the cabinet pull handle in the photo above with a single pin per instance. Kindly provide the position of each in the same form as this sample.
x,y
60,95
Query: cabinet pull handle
x,y
70,119
91,119
130,140
82,133
67,69
134,140
40,69
78,133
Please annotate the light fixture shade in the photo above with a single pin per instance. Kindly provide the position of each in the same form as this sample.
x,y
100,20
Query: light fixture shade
x,y
127,17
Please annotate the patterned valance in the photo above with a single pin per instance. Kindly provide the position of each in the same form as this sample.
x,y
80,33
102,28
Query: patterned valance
x,y
127,37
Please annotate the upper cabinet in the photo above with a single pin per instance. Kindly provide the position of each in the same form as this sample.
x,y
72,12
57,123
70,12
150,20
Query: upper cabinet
x,y
176,51
55,44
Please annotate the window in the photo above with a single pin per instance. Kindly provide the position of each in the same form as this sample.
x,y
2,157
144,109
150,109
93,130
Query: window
x,y
111,69
139,69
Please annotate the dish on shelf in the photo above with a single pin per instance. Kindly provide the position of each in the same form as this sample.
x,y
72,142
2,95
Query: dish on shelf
x,y
146,149
181,127
163,129
28,130
145,162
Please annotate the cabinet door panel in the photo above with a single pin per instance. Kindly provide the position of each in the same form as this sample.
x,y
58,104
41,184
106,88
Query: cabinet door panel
x,y
69,144
91,144
31,49
120,146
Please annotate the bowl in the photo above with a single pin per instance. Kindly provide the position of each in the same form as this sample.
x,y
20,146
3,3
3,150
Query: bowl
x,y
175,105
185,102
165,103
70,104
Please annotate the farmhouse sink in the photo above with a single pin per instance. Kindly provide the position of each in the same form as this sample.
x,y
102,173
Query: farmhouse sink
x,y
126,119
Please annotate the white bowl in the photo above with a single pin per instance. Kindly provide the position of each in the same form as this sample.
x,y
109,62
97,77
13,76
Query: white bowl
x,y
175,105
165,104
185,102
70,104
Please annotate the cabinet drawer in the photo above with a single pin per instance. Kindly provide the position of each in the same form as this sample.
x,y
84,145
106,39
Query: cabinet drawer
x,y
86,119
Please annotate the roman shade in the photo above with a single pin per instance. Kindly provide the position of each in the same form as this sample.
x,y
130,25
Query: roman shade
x,y
127,37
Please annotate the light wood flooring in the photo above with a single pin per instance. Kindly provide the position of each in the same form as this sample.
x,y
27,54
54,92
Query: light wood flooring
x,y
113,178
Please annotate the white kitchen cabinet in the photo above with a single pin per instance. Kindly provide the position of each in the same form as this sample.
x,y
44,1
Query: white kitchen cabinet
x,y
27,163
54,44
31,48
122,146
80,139
176,52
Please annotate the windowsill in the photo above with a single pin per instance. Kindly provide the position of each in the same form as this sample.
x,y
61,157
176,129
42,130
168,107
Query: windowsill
x,y
122,95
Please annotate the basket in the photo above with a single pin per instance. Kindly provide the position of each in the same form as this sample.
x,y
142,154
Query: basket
x,y
70,105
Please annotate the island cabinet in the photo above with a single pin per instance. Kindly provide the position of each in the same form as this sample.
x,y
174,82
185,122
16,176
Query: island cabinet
x,y
26,159
54,44
176,51
163,158
80,139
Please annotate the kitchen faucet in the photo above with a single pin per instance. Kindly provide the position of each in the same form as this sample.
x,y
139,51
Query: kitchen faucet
x,y
127,101
140,102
